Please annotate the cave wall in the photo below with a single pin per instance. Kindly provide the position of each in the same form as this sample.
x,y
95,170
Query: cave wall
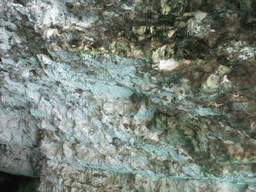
x,y
138,95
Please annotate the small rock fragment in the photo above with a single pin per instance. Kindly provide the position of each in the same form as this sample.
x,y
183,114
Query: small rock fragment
x,y
168,65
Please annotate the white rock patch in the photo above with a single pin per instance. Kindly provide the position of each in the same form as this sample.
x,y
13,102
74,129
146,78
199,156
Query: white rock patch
x,y
167,65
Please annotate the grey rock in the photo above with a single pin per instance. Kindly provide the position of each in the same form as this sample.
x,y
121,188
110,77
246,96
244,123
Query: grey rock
x,y
82,108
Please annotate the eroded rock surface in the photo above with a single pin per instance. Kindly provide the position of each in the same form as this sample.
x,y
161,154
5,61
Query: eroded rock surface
x,y
129,95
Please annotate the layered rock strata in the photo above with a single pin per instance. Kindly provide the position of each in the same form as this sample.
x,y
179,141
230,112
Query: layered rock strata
x,y
129,95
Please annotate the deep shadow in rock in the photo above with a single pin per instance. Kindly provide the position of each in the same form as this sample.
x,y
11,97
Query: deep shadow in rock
x,y
17,183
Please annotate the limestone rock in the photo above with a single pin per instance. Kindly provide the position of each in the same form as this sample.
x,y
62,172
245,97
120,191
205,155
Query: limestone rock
x,y
200,26
128,95
167,65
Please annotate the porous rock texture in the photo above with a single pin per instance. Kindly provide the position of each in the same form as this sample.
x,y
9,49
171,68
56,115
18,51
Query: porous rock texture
x,y
136,95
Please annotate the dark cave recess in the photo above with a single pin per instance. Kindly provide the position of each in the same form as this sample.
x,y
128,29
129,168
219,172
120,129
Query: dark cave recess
x,y
17,183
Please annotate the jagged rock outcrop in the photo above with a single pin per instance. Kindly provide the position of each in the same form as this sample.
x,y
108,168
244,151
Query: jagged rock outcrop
x,y
131,95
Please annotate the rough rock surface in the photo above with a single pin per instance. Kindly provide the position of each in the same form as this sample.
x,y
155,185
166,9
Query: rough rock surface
x,y
137,95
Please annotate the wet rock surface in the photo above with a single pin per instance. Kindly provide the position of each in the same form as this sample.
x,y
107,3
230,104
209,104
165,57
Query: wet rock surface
x,y
129,95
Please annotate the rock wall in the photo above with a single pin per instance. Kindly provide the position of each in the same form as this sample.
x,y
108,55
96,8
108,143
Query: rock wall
x,y
138,95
